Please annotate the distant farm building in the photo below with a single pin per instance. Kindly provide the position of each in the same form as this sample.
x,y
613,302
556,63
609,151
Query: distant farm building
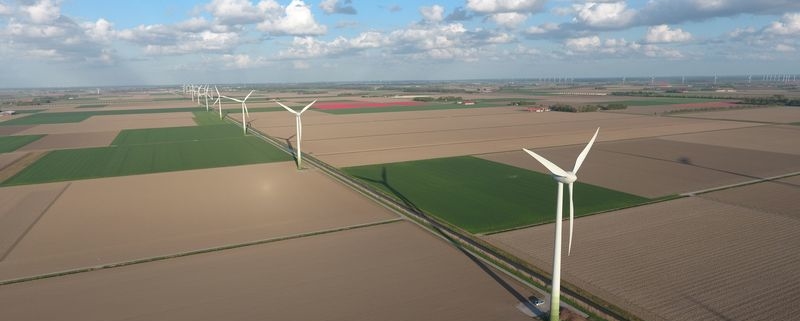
x,y
7,113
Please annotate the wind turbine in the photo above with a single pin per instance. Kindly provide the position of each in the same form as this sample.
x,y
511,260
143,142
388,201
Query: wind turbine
x,y
205,94
245,113
299,127
562,177
218,102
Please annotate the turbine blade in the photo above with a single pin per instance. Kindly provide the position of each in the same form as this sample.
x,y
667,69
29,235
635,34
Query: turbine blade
x,y
248,95
550,166
217,90
571,217
308,106
582,156
287,108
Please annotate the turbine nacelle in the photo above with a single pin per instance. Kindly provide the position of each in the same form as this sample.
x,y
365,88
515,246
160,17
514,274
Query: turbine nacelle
x,y
567,179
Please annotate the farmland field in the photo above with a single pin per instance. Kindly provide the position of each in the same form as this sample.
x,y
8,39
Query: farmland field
x,y
482,196
137,154
652,101
12,143
74,117
176,134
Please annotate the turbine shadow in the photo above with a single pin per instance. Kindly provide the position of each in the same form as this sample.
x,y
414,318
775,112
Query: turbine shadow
x,y
384,181
716,313
291,147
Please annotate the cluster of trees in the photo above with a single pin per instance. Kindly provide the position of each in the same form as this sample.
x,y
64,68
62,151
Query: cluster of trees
x,y
520,103
586,108
774,100
671,93
443,98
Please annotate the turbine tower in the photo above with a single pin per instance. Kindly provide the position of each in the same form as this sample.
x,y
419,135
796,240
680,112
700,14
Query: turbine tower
x,y
218,102
562,177
299,126
245,113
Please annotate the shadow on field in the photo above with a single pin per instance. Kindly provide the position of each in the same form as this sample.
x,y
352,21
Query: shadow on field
x,y
716,313
384,181
289,144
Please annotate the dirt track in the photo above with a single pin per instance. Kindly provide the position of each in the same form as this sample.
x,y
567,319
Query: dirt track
x,y
688,259
109,220
387,272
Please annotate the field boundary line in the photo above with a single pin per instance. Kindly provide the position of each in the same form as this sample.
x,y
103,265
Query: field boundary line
x,y
734,185
196,252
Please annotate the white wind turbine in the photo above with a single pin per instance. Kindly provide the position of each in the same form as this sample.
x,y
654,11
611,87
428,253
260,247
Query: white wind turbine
x,y
205,94
191,91
245,113
299,127
218,102
562,177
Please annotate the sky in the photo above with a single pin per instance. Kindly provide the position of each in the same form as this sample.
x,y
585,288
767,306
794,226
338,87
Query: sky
x,y
69,43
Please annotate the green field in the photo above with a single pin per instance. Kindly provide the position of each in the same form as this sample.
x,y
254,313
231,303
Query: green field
x,y
481,196
92,106
11,143
79,116
150,151
204,118
664,101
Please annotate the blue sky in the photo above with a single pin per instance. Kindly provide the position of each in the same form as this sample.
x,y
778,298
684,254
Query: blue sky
x,y
97,43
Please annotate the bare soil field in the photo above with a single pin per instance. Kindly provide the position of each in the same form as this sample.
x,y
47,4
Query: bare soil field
x,y
624,172
72,140
781,115
779,196
349,140
20,208
686,259
388,272
108,220
108,123
16,162
769,138
13,129
9,158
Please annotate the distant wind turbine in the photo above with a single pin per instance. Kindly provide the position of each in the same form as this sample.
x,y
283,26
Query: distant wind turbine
x,y
299,128
562,177
245,112
218,102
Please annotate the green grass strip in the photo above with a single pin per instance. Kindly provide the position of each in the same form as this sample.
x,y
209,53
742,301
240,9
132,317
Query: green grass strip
x,y
204,118
12,143
92,106
79,116
130,137
481,196
73,164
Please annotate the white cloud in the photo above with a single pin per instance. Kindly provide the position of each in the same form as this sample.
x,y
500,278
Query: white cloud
x,y
789,25
102,30
542,28
784,48
583,43
242,61
498,6
604,14
663,34
508,19
434,14
43,11
237,12
5,10
334,6
299,64
297,20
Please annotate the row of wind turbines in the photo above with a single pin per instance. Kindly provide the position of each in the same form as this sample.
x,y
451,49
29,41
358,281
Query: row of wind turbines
x,y
202,91
561,177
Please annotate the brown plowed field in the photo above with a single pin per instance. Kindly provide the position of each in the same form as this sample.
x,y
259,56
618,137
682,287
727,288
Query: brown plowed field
x,y
13,129
773,138
117,219
687,259
73,140
20,208
782,115
387,272
107,123
9,158
780,196
349,140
